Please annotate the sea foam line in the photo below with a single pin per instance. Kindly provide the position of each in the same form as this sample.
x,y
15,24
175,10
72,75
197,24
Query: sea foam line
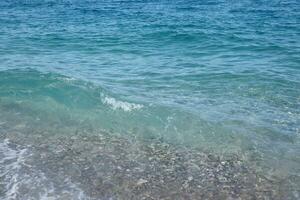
x,y
16,174
11,161
115,104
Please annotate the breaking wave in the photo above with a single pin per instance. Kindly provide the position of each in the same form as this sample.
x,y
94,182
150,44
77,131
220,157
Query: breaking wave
x,y
126,106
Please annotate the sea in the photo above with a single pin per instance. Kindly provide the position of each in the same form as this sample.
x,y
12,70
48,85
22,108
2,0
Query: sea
x,y
149,99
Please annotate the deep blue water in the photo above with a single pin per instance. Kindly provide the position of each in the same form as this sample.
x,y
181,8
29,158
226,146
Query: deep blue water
x,y
222,76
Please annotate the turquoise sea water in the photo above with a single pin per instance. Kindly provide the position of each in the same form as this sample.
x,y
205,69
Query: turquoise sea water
x,y
219,78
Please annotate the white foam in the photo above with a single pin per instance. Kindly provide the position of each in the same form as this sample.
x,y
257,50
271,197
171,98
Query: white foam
x,y
10,163
115,104
16,175
68,79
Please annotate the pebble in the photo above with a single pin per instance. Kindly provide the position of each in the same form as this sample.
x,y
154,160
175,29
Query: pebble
x,y
141,182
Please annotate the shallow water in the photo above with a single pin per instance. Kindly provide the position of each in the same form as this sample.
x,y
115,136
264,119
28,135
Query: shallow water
x,y
149,99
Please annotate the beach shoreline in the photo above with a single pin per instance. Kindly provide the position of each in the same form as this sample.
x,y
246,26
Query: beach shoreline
x,y
106,166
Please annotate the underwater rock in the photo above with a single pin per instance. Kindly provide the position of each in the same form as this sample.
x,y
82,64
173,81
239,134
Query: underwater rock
x,y
141,182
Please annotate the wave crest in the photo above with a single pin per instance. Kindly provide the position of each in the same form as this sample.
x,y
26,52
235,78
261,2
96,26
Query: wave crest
x,y
122,105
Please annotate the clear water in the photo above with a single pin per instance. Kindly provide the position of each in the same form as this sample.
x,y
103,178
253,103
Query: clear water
x,y
221,77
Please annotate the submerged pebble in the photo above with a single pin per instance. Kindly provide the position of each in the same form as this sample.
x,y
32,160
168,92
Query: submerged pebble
x,y
109,170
